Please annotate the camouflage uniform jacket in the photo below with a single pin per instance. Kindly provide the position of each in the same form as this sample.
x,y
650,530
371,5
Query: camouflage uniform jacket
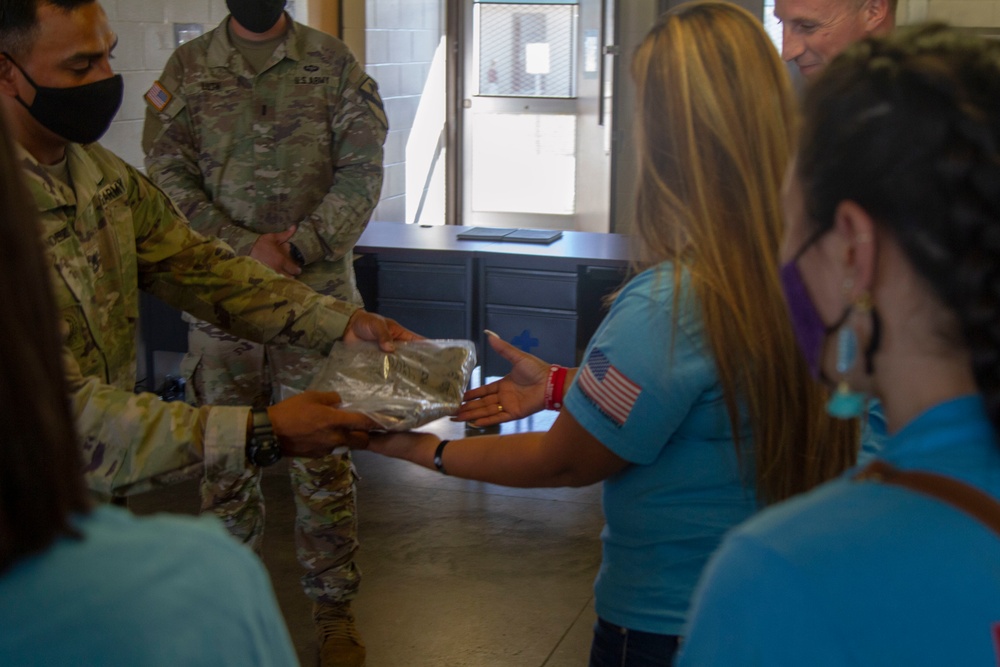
x,y
111,234
244,154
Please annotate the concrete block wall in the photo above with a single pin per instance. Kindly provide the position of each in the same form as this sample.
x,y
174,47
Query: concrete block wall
x,y
400,37
145,30
964,13
145,40
394,39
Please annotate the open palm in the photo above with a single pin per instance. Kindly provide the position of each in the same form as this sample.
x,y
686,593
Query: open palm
x,y
518,394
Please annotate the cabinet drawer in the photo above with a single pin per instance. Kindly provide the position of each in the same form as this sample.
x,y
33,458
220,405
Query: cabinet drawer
x,y
432,282
548,334
537,289
431,319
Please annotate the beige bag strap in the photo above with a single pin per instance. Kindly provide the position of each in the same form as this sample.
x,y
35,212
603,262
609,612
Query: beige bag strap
x,y
969,499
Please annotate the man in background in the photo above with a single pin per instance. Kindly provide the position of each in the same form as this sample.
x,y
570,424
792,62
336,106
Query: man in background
x,y
816,31
268,135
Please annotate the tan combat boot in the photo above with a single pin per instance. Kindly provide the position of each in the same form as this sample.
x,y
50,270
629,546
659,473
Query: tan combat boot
x,y
340,643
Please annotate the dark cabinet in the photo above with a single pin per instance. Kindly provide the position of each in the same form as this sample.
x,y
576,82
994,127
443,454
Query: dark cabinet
x,y
533,309
430,298
547,300
544,332
531,288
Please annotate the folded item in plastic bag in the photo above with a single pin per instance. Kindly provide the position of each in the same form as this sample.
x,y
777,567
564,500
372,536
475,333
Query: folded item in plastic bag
x,y
421,381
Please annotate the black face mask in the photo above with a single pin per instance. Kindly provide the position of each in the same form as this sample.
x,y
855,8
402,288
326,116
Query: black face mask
x,y
81,114
256,15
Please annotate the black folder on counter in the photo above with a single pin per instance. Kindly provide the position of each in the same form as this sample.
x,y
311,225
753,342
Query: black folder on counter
x,y
510,234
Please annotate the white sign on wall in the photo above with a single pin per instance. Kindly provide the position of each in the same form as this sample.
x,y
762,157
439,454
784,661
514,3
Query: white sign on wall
x,y
536,58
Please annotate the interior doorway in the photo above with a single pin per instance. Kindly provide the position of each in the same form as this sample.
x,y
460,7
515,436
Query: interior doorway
x,y
532,150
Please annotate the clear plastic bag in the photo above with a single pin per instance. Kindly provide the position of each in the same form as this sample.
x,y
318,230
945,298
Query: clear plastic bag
x,y
421,381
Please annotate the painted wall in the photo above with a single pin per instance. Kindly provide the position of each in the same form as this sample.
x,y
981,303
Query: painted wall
x,y
965,13
145,41
398,40
145,31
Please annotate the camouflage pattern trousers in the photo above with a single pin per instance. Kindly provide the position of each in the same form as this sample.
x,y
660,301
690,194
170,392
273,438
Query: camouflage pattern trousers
x,y
222,369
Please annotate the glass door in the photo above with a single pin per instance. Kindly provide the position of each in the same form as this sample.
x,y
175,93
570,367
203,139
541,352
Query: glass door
x,y
519,113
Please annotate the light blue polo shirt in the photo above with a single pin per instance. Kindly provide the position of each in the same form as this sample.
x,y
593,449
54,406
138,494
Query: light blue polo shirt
x,y
134,592
648,391
863,573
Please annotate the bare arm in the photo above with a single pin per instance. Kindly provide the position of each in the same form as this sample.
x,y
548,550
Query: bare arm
x,y
566,455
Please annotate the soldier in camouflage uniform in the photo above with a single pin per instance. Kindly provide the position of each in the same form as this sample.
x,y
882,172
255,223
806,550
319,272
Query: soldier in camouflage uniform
x,y
109,231
271,139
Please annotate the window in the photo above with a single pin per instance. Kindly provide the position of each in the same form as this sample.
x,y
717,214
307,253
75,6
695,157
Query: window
x,y
527,50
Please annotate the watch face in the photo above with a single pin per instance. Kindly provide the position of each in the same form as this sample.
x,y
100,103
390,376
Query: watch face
x,y
264,451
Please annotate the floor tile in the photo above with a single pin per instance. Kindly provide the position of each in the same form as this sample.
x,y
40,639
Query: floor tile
x,y
455,573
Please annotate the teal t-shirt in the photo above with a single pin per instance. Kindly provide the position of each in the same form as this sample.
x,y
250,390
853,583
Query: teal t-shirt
x,y
864,573
134,592
648,390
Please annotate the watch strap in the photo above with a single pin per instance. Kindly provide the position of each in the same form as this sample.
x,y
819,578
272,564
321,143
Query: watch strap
x,y
262,447
260,424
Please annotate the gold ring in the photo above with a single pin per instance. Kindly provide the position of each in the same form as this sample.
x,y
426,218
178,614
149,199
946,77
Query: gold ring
x,y
499,408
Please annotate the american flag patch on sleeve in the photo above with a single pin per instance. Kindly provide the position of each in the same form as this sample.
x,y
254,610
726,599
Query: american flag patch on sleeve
x,y
158,96
608,388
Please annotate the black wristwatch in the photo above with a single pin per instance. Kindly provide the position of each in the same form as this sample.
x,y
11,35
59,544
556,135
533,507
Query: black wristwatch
x,y
262,447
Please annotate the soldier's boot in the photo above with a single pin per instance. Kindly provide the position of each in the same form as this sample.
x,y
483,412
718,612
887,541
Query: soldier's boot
x,y
340,642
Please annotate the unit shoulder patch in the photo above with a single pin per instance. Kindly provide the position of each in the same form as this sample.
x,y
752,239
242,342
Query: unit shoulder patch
x,y
369,92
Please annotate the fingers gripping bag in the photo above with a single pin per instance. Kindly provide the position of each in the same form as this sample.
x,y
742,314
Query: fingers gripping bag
x,y
421,381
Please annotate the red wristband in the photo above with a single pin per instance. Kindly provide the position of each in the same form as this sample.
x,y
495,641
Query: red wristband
x,y
555,387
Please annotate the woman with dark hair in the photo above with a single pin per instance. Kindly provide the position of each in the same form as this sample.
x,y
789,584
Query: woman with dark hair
x,y
84,585
892,273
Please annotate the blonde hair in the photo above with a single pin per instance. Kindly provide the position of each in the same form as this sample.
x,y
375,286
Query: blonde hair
x,y
715,134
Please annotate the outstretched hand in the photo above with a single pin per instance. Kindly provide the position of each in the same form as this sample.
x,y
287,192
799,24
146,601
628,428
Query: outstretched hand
x,y
311,425
518,394
369,326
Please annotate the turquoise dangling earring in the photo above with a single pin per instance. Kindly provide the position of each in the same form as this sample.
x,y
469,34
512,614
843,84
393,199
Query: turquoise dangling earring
x,y
846,403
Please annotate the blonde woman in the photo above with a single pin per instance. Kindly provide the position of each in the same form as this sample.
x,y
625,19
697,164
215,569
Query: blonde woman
x,y
693,406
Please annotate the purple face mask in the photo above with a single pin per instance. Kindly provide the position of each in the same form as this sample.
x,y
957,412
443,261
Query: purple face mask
x,y
808,326
806,323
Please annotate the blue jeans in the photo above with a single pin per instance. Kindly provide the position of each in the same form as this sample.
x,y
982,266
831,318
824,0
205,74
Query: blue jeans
x,y
615,646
